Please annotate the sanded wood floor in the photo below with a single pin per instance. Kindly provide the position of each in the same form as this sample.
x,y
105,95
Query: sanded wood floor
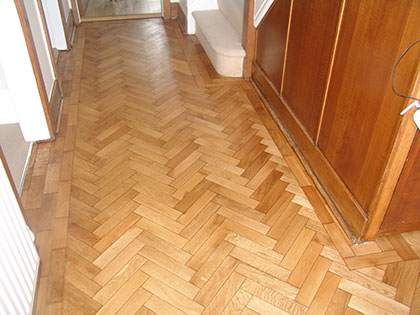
x,y
165,193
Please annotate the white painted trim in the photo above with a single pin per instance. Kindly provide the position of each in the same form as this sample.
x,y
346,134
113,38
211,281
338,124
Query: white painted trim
x,y
261,9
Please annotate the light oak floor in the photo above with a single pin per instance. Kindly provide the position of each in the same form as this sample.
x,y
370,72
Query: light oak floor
x,y
107,8
170,190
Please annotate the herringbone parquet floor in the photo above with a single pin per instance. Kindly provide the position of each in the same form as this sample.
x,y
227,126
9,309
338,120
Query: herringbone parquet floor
x,y
165,193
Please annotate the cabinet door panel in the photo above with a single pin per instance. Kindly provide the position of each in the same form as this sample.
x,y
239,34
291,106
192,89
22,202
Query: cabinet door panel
x,y
361,112
403,213
311,40
271,43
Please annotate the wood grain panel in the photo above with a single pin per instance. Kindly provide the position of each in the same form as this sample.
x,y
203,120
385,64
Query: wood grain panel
x,y
407,129
404,207
182,19
166,9
361,113
248,37
311,41
271,44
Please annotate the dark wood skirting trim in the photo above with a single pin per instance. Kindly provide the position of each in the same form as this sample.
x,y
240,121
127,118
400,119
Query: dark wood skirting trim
x,y
55,54
334,191
182,19
55,105
74,10
174,10
71,27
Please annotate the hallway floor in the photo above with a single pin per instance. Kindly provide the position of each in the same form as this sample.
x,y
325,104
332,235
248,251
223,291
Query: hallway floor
x,y
107,8
170,190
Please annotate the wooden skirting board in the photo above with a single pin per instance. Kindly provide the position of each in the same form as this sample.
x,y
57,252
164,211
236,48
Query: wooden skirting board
x,y
55,105
182,19
71,27
174,10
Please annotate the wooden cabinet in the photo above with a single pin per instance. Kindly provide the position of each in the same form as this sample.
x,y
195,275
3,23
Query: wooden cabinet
x,y
272,39
311,41
325,67
403,211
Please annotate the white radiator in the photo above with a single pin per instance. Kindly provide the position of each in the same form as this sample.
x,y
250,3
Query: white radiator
x,y
19,260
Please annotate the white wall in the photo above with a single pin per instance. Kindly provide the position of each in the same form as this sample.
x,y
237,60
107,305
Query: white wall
x,y
40,42
19,75
55,24
7,109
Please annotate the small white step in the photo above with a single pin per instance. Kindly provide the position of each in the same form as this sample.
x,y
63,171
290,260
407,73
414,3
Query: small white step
x,y
221,42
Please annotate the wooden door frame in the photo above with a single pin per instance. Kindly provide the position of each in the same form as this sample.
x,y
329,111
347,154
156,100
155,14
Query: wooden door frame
x,y
80,8
166,9
249,34
75,11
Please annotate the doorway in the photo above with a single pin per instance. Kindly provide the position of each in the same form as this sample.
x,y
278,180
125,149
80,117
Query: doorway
x,y
115,9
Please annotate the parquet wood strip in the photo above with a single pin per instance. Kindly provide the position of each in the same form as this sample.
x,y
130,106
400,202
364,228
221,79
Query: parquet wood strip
x,y
253,260
305,264
287,239
170,190
135,302
117,264
167,262
268,281
261,307
171,280
212,264
169,250
108,290
155,305
255,248
173,297
324,294
373,297
225,294
270,296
